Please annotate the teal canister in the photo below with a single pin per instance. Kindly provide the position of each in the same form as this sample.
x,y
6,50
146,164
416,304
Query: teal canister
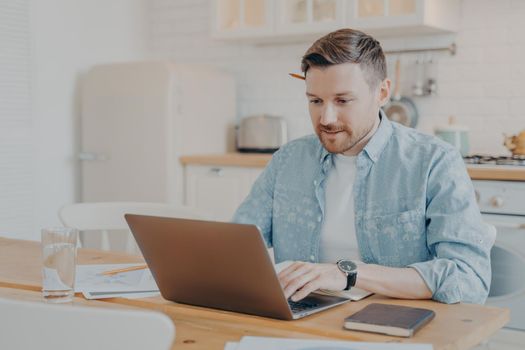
x,y
456,135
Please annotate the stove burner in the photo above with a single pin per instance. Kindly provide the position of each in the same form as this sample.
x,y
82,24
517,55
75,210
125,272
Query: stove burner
x,y
516,160
479,159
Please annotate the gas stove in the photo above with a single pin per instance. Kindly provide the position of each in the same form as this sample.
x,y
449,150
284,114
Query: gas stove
x,y
477,159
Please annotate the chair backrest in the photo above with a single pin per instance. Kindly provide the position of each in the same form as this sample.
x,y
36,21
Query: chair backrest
x,y
109,216
31,325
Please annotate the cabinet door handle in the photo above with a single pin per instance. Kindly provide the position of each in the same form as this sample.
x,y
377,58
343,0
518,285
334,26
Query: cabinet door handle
x,y
217,171
90,156
514,226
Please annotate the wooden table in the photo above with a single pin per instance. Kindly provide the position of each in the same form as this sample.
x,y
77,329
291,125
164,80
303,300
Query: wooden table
x,y
458,326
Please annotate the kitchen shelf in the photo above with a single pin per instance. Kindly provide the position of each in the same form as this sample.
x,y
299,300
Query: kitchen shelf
x,y
452,48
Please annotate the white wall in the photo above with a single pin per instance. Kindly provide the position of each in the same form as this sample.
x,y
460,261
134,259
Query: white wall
x,y
16,141
482,85
67,37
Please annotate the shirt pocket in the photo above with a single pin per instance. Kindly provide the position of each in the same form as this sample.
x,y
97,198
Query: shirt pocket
x,y
397,239
296,217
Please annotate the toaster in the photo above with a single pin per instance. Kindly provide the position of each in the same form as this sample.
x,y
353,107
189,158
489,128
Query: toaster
x,y
261,134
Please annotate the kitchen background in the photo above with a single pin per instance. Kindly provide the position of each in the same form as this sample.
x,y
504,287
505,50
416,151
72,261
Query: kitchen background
x,y
481,85
50,44
54,106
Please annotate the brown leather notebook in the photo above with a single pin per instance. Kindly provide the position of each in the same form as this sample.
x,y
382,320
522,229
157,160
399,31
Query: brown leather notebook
x,y
401,321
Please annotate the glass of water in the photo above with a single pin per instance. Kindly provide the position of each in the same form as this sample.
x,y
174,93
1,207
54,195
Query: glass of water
x,y
59,251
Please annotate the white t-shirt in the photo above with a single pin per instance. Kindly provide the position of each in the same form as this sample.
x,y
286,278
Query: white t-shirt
x,y
338,239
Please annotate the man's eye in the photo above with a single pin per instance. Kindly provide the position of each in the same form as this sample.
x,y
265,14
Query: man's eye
x,y
343,101
315,102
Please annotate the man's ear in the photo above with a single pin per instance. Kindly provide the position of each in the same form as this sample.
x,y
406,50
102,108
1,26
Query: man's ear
x,y
384,92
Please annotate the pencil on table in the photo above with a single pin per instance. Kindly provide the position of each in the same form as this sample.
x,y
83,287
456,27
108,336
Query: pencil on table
x,y
126,269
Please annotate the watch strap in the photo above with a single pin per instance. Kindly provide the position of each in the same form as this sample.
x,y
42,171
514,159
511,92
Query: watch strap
x,y
351,278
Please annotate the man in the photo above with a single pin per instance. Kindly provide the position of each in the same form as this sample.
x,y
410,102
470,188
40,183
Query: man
x,y
368,190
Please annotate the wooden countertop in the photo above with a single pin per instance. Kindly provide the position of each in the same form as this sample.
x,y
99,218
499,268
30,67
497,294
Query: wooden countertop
x,y
510,173
476,172
456,326
229,159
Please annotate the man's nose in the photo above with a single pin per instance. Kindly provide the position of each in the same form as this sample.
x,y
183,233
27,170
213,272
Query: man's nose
x,y
328,115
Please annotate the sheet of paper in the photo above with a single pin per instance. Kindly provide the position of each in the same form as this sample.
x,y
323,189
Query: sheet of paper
x,y
138,283
231,346
266,343
354,293
127,295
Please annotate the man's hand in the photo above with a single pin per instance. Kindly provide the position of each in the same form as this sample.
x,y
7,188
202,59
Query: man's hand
x,y
301,278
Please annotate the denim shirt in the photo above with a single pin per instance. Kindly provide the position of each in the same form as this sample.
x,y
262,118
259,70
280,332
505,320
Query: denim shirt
x,y
414,206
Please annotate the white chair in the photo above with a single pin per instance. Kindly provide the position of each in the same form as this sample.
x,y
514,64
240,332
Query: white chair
x,y
32,325
109,216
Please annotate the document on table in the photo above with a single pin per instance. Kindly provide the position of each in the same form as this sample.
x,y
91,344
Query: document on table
x,y
132,284
353,294
231,345
266,343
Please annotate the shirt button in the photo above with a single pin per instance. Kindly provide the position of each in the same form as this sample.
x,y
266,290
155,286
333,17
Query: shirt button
x,y
312,257
315,182
319,218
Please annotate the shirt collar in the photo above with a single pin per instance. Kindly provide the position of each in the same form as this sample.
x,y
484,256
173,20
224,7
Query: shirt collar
x,y
377,143
324,153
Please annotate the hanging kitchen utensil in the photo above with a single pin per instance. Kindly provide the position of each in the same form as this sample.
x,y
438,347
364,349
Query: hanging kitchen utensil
x,y
419,81
401,109
430,73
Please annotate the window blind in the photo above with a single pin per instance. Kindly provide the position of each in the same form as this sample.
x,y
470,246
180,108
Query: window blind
x,y
16,144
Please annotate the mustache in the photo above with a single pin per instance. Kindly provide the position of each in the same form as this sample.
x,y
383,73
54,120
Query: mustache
x,y
331,128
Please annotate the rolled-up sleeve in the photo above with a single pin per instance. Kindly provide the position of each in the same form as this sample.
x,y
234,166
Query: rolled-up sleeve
x,y
457,237
257,207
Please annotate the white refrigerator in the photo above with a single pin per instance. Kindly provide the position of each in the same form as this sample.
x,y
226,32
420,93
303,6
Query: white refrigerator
x,y
138,118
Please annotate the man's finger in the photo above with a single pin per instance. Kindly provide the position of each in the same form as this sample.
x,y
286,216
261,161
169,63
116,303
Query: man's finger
x,y
308,288
292,267
301,270
298,283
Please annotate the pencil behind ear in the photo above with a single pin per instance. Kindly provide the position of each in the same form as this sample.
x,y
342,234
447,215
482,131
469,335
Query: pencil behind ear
x,y
298,76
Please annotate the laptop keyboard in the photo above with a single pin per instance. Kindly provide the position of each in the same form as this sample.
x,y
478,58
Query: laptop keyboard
x,y
300,306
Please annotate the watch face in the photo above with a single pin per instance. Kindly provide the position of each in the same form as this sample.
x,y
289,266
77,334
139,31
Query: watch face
x,y
347,265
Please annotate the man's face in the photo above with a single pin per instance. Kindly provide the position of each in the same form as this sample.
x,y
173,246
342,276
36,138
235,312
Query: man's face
x,y
342,105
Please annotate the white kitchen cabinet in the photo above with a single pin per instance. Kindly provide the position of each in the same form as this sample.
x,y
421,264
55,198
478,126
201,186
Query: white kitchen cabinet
x,y
308,16
217,191
242,18
404,17
288,20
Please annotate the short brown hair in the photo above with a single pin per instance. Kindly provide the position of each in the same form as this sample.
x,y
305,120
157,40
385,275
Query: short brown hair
x,y
348,46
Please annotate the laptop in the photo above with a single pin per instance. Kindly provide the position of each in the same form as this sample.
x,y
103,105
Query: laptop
x,y
218,265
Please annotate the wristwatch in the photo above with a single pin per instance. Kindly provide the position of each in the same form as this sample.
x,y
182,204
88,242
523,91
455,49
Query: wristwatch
x,y
349,268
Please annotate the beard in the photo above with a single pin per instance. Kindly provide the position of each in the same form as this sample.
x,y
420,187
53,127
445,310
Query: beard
x,y
337,138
